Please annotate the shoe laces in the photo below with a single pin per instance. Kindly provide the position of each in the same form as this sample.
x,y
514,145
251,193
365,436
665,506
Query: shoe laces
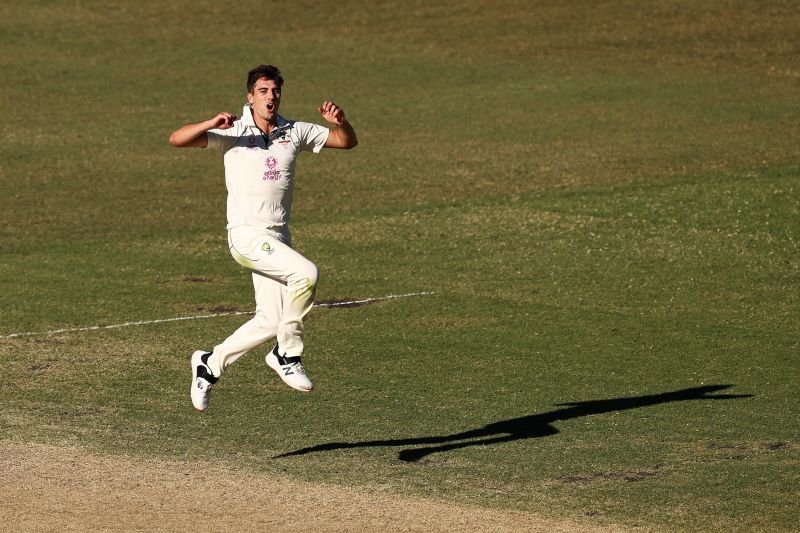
x,y
298,368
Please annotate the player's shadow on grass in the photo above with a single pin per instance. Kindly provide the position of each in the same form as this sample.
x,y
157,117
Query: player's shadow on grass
x,y
526,427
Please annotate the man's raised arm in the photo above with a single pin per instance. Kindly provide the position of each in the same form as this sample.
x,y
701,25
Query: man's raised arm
x,y
343,136
194,135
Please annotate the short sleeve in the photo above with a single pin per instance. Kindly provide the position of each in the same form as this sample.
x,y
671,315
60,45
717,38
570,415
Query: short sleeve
x,y
311,137
222,140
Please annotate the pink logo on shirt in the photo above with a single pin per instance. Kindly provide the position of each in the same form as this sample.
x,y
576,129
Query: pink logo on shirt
x,y
272,174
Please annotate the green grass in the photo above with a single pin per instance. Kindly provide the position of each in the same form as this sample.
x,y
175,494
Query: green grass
x,y
603,197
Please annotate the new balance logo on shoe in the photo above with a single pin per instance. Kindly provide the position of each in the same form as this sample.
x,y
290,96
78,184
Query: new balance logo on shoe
x,y
290,370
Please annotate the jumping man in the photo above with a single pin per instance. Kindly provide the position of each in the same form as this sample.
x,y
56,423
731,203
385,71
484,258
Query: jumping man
x,y
259,151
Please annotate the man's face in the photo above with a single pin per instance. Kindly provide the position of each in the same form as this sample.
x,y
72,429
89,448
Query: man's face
x,y
265,99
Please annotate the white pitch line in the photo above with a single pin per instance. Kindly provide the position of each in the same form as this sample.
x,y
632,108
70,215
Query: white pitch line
x,y
370,300
197,317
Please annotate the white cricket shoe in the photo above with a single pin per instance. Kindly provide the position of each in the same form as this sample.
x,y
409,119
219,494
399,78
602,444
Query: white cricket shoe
x,y
290,370
202,380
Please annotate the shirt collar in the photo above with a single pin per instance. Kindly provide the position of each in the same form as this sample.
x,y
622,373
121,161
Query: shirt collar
x,y
247,120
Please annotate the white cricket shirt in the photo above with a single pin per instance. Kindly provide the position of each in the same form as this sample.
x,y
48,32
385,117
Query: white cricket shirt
x,y
259,170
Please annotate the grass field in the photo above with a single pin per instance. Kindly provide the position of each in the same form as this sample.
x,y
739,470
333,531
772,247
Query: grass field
x,y
603,198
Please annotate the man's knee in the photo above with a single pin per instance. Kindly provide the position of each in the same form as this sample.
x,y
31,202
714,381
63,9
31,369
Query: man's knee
x,y
305,278
312,274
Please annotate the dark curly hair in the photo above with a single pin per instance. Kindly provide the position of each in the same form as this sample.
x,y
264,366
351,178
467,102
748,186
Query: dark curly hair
x,y
271,72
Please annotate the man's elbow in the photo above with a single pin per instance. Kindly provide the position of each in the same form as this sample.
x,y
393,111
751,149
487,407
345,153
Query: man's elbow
x,y
349,142
341,144
174,140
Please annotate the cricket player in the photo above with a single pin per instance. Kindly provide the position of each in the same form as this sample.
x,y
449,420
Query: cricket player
x,y
259,151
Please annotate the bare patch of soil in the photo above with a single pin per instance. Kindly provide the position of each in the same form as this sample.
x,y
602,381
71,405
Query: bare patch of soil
x,y
47,488
223,309
197,279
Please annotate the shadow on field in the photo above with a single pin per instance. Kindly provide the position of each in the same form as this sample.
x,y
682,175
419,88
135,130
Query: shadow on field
x,y
526,427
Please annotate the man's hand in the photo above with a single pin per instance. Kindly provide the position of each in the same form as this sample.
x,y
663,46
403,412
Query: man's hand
x,y
332,113
343,136
223,121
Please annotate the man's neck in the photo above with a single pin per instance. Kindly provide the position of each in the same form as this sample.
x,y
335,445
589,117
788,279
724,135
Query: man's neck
x,y
264,125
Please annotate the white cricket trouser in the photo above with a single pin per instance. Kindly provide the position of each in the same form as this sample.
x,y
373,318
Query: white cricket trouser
x,y
284,282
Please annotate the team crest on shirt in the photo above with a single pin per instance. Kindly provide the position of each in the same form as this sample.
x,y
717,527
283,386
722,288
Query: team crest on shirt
x,y
283,141
252,142
267,248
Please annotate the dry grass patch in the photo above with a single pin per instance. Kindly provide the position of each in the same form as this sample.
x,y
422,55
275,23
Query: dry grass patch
x,y
47,488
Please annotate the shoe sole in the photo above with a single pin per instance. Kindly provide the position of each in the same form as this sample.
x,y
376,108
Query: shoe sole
x,y
278,371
